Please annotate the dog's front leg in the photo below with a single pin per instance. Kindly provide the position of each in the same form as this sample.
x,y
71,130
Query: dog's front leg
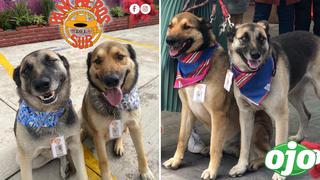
x,y
137,139
246,118
280,115
219,122
100,145
186,125
25,165
77,156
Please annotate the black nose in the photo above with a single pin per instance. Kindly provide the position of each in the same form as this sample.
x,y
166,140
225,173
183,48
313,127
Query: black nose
x,y
255,54
111,80
171,41
42,84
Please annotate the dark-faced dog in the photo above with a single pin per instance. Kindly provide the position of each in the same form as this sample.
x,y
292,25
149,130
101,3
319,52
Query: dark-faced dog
x,y
295,64
188,33
111,103
45,113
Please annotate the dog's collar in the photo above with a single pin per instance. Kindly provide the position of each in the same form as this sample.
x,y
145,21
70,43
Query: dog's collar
x,y
35,120
255,86
193,67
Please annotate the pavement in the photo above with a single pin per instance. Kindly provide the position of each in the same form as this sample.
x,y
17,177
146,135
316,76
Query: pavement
x,y
145,41
194,164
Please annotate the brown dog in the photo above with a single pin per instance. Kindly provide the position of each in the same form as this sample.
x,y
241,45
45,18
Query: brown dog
x,y
110,96
188,33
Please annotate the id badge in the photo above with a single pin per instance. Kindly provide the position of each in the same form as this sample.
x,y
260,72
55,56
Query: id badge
x,y
115,129
58,146
199,93
228,80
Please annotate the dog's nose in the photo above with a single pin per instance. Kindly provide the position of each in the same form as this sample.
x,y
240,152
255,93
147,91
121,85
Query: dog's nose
x,y
255,54
111,80
171,40
42,84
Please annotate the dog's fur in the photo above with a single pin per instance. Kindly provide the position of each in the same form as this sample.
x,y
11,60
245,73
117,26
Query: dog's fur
x,y
117,60
297,64
219,111
33,147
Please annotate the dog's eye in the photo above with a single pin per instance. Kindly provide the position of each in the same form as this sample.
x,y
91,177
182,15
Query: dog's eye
x,y
27,69
185,26
120,57
97,61
170,26
261,39
243,39
50,61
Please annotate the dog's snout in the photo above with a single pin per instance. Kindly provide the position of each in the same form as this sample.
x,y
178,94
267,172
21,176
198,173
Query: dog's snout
x,y
42,84
171,40
255,54
111,80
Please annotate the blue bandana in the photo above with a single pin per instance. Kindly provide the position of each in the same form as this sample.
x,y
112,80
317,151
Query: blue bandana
x,y
194,67
255,86
33,119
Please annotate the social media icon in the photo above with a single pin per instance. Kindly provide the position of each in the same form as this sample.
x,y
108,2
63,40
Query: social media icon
x,y
134,9
145,8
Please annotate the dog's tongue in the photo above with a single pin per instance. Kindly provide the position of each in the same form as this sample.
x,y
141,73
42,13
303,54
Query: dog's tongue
x,y
113,95
253,64
174,51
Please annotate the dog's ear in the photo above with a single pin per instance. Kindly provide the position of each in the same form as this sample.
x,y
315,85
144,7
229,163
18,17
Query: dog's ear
x,y
65,61
265,25
231,32
132,52
205,24
16,76
89,59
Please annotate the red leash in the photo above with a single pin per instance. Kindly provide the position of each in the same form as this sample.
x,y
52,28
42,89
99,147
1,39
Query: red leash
x,y
224,10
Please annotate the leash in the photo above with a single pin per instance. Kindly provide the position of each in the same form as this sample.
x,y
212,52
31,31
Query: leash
x,y
227,17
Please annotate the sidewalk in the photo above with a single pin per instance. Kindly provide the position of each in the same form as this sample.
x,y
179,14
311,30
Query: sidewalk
x,y
145,42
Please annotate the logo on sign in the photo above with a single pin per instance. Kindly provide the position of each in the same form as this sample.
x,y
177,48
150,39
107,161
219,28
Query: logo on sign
x,y
291,159
81,21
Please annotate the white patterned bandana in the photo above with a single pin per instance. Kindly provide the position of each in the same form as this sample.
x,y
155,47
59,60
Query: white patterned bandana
x,y
130,101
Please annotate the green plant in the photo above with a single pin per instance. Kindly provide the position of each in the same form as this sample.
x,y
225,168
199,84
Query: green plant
x,y
38,19
116,11
47,6
5,17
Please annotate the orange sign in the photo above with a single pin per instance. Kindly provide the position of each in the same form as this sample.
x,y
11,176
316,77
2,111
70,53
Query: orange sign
x,y
81,21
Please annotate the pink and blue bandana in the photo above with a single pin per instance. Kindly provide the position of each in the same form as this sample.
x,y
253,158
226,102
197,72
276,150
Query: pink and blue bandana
x,y
193,67
255,86
33,119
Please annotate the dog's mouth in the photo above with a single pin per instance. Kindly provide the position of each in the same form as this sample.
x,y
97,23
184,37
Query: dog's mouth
x,y
179,48
113,95
253,64
49,97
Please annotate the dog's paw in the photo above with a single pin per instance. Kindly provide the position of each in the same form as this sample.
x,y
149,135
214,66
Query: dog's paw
x,y
255,164
296,138
172,163
118,147
238,170
208,174
277,176
147,175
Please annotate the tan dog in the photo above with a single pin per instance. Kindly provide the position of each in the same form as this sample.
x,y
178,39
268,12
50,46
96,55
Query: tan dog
x,y
112,74
188,33
296,64
43,84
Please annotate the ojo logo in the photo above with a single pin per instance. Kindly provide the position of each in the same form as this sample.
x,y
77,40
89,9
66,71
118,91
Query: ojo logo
x,y
291,159
81,22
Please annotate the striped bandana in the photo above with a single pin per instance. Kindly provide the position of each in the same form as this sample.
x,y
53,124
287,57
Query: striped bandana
x,y
35,120
193,67
255,86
